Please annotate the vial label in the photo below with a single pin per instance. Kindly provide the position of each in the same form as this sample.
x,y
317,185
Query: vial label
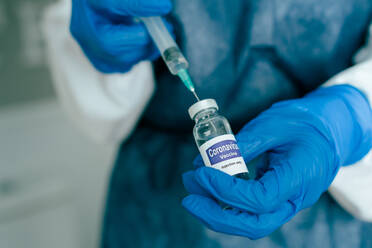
x,y
223,153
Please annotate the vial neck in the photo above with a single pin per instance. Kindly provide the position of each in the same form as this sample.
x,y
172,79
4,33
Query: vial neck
x,y
204,114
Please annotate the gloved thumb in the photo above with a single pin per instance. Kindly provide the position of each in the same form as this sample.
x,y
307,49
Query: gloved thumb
x,y
259,136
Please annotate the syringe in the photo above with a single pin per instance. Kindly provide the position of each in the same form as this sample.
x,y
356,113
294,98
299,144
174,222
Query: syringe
x,y
169,50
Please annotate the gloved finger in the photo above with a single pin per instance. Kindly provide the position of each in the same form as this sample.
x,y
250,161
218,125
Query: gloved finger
x,y
257,166
132,7
117,39
109,65
192,186
115,51
257,196
262,134
198,162
104,34
106,67
237,223
125,30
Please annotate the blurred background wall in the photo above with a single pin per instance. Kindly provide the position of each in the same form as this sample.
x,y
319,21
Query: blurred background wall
x,y
52,178
24,74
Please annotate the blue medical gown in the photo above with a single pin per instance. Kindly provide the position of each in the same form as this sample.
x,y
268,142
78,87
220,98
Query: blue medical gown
x,y
247,55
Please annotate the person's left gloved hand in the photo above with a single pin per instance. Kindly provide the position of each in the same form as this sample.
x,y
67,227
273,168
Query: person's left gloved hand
x,y
306,141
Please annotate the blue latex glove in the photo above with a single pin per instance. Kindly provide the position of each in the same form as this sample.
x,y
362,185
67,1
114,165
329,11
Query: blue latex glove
x,y
306,141
109,37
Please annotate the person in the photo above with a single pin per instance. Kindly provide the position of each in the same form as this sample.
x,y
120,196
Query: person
x,y
282,74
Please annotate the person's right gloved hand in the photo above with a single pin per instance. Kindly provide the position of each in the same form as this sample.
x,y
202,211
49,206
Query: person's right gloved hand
x,y
109,36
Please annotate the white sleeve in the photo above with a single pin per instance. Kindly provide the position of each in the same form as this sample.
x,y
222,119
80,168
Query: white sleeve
x,y
352,187
105,106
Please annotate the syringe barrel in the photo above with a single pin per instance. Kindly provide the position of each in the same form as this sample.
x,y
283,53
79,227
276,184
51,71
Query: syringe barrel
x,y
159,33
165,43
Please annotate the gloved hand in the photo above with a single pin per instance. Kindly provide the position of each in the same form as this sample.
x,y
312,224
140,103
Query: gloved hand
x,y
306,141
109,37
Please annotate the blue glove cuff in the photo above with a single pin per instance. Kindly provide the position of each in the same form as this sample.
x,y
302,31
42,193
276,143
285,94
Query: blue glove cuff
x,y
347,116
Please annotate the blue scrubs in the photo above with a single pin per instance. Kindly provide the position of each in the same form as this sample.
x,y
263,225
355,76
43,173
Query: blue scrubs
x,y
247,55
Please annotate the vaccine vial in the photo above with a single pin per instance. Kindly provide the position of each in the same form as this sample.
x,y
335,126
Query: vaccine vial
x,y
215,140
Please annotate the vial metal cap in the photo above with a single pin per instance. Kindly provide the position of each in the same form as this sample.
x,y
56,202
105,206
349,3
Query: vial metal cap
x,y
201,105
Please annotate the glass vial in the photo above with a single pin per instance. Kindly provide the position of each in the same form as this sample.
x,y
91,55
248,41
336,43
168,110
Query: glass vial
x,y
215,140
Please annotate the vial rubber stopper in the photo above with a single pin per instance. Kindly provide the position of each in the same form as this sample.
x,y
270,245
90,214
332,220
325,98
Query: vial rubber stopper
x,y
201,105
